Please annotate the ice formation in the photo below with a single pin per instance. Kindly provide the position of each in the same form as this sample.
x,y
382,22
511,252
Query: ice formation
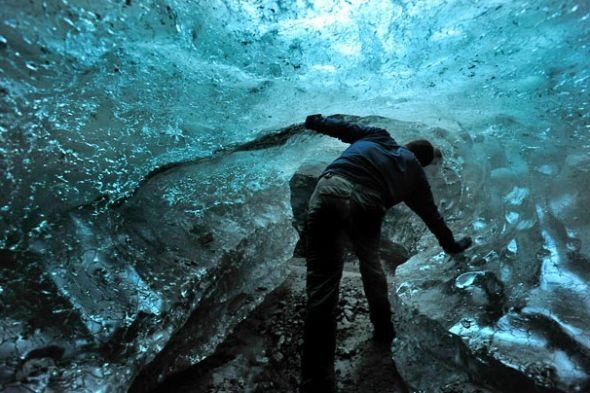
x,y
145,203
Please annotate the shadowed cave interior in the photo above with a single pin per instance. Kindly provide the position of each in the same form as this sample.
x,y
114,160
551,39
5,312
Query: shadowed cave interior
x,y
155,172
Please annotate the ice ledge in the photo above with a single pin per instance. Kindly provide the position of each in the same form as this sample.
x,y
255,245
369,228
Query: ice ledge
x,y
454,327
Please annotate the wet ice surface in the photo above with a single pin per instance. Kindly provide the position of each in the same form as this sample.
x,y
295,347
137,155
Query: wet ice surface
x,y
518,299
102,264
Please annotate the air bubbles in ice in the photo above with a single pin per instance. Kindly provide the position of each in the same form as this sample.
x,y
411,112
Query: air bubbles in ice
x,y
512,217
547,169
512,246
31,66
479,224
517,195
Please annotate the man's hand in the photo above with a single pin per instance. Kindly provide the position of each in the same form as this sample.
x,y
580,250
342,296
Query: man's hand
x,y
459,246
312,120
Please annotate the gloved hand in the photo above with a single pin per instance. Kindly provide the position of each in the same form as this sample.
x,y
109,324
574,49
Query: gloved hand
x,y
459,246
312,120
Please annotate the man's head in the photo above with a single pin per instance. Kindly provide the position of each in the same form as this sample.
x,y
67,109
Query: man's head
x,y
424,151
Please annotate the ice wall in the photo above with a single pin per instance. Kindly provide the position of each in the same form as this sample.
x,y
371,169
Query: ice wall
x,y
97,97
94,95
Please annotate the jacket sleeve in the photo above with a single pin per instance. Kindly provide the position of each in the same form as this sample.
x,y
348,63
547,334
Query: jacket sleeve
x,y
346,132
422,203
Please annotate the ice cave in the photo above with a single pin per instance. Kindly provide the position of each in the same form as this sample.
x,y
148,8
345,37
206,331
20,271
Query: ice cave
x,y
154,171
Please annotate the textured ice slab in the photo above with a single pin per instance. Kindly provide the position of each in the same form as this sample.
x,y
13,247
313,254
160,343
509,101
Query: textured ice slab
x,y
512,311
456,321
167,272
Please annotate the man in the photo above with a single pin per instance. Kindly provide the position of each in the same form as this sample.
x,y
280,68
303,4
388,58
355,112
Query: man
x,y
351,198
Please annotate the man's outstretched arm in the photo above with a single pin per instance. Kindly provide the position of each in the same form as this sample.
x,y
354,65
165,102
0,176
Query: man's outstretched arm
x,y
346,132
422,203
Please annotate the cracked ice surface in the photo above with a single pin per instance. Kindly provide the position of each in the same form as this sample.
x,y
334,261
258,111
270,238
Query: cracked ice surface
x,y
111,251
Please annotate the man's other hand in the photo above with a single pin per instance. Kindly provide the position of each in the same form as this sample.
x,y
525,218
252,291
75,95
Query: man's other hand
x,y
312,120
459,246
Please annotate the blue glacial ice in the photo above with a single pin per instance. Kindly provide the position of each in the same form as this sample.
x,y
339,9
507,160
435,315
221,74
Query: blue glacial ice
x,y
145,205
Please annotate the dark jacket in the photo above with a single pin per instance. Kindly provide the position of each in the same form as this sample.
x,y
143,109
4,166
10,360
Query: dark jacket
x,y
375,160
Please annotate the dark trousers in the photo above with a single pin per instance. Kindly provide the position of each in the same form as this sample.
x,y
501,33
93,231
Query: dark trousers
x,y
338,209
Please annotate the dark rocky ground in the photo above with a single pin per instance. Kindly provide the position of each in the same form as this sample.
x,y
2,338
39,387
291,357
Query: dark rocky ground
x,y
263,352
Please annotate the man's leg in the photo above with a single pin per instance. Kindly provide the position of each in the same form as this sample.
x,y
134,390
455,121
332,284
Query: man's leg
x,y
324,270
365,233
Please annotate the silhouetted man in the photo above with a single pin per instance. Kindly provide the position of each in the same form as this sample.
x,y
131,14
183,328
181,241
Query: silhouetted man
x,y
351,198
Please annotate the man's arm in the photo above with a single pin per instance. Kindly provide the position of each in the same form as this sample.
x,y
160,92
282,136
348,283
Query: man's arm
x,y
422,203
346,132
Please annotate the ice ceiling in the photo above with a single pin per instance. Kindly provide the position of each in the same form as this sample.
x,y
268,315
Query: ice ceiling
x,y
104,232
94,95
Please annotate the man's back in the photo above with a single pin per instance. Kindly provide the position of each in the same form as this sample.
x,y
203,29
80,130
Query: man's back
x,y
380,164
392,172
